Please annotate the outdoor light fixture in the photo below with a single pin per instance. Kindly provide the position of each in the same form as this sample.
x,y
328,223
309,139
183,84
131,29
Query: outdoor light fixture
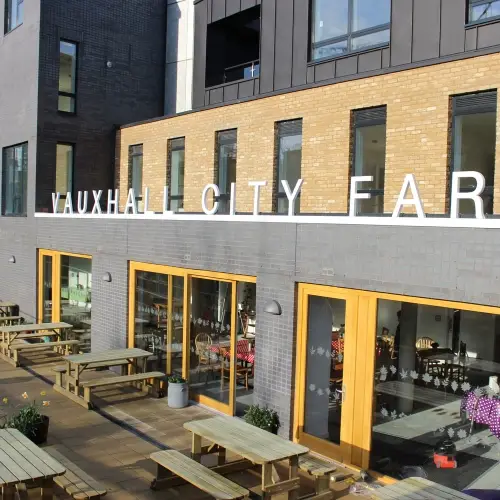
x,y
273,307
12,260
106,277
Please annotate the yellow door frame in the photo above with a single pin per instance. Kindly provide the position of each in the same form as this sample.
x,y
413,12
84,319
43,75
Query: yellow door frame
x,y
188,274
359,367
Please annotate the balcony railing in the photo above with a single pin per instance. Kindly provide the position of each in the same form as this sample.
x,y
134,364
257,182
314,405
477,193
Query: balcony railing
x,y
245,71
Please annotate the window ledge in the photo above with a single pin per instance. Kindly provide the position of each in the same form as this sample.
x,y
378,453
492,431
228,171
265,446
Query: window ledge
x,y
232,83
349,54
24,216
66,113
12,30
490,20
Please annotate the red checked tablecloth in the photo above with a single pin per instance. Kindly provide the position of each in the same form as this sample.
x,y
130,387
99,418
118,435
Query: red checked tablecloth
x,y
338,345
243,351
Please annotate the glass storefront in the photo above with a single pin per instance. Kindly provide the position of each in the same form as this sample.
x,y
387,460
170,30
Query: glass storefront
x,y
46,289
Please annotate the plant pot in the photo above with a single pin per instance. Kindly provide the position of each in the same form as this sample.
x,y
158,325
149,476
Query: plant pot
x,y
41,431
177,395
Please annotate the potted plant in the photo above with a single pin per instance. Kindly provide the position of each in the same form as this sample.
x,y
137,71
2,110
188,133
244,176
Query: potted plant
x,y
28,419
177,392
263,418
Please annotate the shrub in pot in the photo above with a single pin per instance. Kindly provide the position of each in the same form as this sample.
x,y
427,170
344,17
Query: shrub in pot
x,y
177,392
263,418
28,419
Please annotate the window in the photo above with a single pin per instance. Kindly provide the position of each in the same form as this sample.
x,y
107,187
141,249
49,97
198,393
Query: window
x,y
226,167
480,10
342,26
15,180
14,14
176,174
289,161
64,171
67,76
474,137
135,170
369,157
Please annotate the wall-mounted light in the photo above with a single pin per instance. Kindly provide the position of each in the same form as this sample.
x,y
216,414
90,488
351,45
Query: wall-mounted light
x,y
273,307
106,277
12,260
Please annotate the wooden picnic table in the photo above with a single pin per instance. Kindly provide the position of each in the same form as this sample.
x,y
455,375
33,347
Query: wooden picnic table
x,y
11,333
78,363
254,445
6,308
418,488
23,462
10,320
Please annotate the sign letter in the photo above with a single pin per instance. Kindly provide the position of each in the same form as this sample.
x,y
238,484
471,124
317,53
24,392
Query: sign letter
x,y
96,209
355,196
256,194
68,205
146,202
415,201
82,210
216,191
55,201
113,202
292,196
475,195
131,203
232,200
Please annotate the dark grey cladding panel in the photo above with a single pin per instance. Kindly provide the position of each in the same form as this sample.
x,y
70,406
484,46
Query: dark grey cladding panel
x,y
300,41
216,95
232,7
386,57
218,9
426,29
248,4
246,89
452,27
401,32
488,35
230,92
324,71
267,35
283,45
471,39
200,50
346,66
370,61
310,74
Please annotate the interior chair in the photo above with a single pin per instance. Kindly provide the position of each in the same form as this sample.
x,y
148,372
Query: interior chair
x,y
424,343
206,363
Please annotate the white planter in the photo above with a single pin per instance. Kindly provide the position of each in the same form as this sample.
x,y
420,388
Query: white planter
x,y
177,395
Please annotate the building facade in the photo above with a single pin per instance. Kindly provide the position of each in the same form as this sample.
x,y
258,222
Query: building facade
x,y
374,337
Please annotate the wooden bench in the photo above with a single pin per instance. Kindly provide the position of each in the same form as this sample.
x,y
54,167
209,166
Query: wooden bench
x,y
62,370
321,471
124,379
198,475
69,345
75,481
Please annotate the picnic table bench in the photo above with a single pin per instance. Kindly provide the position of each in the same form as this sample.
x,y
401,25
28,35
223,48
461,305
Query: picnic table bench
x,y
11,320
23,463
6,308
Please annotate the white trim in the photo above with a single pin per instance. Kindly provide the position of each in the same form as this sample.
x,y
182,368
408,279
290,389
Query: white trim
x,y
297,219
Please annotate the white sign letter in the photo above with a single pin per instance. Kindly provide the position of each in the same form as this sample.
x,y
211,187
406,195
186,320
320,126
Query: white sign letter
x,y
68,204
355,196
415,201
113,202
96,209
256,194
82,210
55,201
232,199
292,196
146,202
131,203
475,195
216,191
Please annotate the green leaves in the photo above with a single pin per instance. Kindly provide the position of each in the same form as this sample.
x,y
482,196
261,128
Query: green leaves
x,y
263,418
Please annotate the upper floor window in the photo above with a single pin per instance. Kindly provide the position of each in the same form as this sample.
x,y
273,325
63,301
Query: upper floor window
x,y
288,162
369,157
480,10
226,166
135,170
15,180
474,139
64,171
67,76
14,14
342,26
175,173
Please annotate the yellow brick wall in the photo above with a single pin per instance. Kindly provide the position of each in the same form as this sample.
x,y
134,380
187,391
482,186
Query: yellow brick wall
x,y
418,103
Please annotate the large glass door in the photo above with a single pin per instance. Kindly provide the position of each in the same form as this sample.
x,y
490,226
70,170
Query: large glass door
x,y
47,310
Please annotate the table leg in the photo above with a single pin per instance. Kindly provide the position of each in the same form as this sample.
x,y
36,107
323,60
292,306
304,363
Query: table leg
x,y
267,480
221,460
47,489
68,375
8,493
293,473
196,447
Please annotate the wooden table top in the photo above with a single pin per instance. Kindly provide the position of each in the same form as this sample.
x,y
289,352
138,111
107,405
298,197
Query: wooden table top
x,y
108,355
252,443
418,487
7,304
23,461
9,318
34,327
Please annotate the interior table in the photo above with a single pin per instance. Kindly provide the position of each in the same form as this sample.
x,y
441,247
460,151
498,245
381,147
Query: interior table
x,y
254,445
23,462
